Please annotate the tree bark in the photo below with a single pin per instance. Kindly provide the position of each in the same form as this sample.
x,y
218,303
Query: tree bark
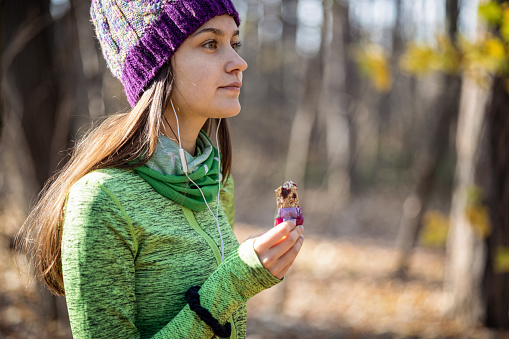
x,y
387,103
476,277
478,284
495,282
352,80
2,108
466,248
332,105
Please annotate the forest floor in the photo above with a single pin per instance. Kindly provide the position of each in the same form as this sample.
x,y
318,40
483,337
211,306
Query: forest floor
x,y
339,289
341,286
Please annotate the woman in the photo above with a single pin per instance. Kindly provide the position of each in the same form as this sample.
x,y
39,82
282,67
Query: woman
x,y
136,229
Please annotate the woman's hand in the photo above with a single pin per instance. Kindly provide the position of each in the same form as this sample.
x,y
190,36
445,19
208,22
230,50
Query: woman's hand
x,y
278,247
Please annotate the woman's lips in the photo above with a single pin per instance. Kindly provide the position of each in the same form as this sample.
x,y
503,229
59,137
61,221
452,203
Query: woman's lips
x,y
234,86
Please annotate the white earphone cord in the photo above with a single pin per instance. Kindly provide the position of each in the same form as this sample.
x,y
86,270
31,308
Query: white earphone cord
x,y
183,160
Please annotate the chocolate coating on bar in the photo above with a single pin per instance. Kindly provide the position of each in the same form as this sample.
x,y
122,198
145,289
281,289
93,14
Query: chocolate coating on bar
x,y
287,196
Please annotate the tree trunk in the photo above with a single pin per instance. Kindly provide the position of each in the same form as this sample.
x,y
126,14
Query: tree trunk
x,y
332,105
2,108
466,247
35,80
495,280
303,122
477,273
477,277
416,203
387,105
88,76
289,69
36,120
349,36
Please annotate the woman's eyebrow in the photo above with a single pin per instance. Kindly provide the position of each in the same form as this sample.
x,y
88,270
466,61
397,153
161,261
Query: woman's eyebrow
x,y
215,31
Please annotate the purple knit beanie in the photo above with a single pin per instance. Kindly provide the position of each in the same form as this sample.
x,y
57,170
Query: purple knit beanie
x,y
139,36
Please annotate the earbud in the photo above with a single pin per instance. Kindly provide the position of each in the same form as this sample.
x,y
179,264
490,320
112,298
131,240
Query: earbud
x,y
183,160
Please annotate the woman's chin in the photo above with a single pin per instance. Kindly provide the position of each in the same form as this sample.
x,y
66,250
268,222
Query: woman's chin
x,y
227,111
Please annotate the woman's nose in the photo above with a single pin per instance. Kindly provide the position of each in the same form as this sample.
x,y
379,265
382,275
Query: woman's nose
x,y
236,63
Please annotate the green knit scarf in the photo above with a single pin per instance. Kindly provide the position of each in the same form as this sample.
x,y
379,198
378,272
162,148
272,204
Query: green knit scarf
x,y
164,172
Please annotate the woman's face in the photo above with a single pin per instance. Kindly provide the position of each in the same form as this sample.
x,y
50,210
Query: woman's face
x,y
208,71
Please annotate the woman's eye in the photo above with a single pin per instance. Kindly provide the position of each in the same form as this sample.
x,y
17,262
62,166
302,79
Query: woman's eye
x,y
210,44
236,45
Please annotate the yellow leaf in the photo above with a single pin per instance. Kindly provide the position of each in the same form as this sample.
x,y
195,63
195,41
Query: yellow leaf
x,y
418,60
475,195
479,219
491,12
448,58
504,26
435,229
488,55
501,264
495,48
373,62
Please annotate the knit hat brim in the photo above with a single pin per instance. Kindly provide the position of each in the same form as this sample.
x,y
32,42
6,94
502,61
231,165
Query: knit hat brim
x,y
177,21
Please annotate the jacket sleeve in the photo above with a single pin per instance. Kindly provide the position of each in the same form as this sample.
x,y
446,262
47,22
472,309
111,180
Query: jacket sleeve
x,y
237,279
98,251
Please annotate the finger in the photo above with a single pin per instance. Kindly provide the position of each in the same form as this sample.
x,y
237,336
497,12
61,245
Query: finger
x,y
279,256
287,260
255,235
281,274
285,244
273,236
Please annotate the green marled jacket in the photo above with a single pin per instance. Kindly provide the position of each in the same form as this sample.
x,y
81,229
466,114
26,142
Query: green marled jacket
x,y
129,255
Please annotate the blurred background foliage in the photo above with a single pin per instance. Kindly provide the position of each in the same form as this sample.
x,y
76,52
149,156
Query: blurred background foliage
x,y
391,115
485,56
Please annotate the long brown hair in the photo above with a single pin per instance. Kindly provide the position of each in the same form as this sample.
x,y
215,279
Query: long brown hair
x,y
124,140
